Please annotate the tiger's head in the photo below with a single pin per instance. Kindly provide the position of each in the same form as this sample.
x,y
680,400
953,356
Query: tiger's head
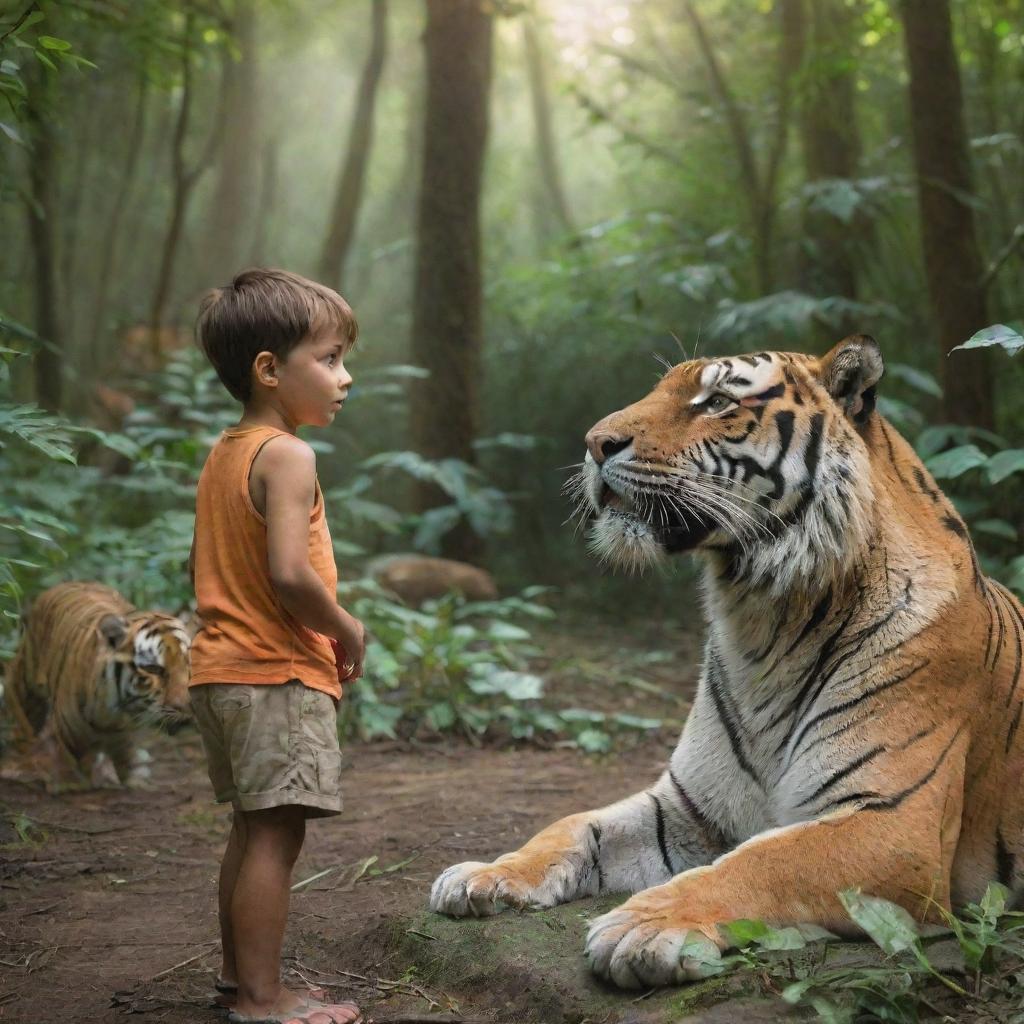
x,y
758,462
148,667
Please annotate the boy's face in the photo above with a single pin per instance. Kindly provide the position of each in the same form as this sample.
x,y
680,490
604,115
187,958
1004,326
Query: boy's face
x,y
312,382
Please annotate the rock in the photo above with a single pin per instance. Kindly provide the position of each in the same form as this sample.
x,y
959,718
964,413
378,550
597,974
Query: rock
x,y
418,578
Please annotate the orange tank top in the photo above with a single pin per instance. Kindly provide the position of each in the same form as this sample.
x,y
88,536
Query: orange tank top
x,y
247,636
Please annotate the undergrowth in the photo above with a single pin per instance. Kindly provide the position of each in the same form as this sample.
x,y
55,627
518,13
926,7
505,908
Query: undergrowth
x,y
982,969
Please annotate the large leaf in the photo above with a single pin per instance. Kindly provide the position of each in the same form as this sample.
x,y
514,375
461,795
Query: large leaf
x,y
956,461
997,334
1004,464
889,925
916,378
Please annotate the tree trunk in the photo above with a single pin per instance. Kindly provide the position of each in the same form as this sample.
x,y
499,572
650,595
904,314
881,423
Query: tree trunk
x,y
263,241
831,147
232,205
760,185
183,180
42,222
547,156
447,329
952,259
109,251
357,156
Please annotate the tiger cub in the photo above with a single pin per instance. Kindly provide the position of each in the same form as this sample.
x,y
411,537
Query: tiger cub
x,y
89,670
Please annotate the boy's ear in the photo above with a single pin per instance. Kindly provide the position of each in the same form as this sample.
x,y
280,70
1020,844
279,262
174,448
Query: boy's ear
x,y
264,368
850,373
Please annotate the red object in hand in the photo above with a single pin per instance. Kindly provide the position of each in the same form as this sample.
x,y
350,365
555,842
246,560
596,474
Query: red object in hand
x,y
347,671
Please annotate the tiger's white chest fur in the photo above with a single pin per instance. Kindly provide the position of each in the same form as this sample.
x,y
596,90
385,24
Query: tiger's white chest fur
x,y
777,705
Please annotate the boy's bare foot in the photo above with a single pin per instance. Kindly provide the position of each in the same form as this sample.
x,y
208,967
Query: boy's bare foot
x,y
227,993
292,1008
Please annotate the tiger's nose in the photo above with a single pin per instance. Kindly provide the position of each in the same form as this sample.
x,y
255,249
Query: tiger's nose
x,y
603,441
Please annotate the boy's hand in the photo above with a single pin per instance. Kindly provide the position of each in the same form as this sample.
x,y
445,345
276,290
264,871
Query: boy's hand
x,y
350,650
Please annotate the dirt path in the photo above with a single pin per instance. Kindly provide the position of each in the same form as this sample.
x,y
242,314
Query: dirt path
x,y
111,890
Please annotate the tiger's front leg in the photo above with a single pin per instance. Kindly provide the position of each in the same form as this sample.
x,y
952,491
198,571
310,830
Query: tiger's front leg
x,y
899,846
620,848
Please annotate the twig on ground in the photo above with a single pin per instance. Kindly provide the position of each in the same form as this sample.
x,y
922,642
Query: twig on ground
x,y
185,963
422,935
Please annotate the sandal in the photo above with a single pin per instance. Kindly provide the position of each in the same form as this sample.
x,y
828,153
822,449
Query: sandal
x,y
300,1013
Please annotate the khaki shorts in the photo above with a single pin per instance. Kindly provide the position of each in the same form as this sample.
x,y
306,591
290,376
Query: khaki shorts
x,y
270,745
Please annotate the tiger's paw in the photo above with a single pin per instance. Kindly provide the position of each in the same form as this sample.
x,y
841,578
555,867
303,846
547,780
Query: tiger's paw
x,y
474,889
647,942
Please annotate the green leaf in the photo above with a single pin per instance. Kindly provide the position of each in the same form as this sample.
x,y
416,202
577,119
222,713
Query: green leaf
x,y
515,685
33,19
993,903
54,43
782,938
11,132
889,925
594,741
996,528
1004,464
744,931
441,716
956,461
916,378
997,334
636,722
507,631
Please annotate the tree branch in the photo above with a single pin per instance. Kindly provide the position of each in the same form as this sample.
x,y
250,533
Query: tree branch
x,y
628,134
1002,256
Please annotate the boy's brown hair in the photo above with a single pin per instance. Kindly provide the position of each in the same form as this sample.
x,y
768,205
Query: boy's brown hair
x,y
266,311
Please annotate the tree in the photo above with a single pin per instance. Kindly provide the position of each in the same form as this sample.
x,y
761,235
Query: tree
x,y
760,182
42,213
232,206
447,324
357,156
184,176
831,144
952,258
540,101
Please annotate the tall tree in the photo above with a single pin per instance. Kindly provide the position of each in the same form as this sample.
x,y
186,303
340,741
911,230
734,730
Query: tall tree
x,y
357,156
447,327
760,180
952,258
830,142
184,175
229,224
42,210
540,101
110,245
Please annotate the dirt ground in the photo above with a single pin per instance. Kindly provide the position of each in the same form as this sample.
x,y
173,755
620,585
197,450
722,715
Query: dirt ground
x,y
107,898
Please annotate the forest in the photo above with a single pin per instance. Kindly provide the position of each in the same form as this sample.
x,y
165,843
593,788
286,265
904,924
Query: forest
x,y
536,208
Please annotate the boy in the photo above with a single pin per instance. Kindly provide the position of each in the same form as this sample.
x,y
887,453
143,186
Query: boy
x,y
265,680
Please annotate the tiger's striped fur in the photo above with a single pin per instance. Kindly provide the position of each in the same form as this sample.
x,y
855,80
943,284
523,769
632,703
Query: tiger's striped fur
x,y
857,717
89,670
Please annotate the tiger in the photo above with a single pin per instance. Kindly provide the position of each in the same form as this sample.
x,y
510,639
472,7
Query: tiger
x,y
89,670
856,720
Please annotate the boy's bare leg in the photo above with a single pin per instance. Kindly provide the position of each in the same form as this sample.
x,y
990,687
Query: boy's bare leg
x,y
259,912
229,866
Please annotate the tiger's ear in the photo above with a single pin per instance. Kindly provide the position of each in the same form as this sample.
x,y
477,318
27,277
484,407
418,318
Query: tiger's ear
x,y
850,373
113,629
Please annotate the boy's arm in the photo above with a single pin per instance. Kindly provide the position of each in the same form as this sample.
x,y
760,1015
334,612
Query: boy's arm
x,y
287,470
192,562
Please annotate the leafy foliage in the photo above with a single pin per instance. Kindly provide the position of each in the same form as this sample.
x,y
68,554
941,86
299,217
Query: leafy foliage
x,y
990,946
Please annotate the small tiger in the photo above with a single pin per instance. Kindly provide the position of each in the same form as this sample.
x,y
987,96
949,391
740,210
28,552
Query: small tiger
x,y
857,720
89,670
